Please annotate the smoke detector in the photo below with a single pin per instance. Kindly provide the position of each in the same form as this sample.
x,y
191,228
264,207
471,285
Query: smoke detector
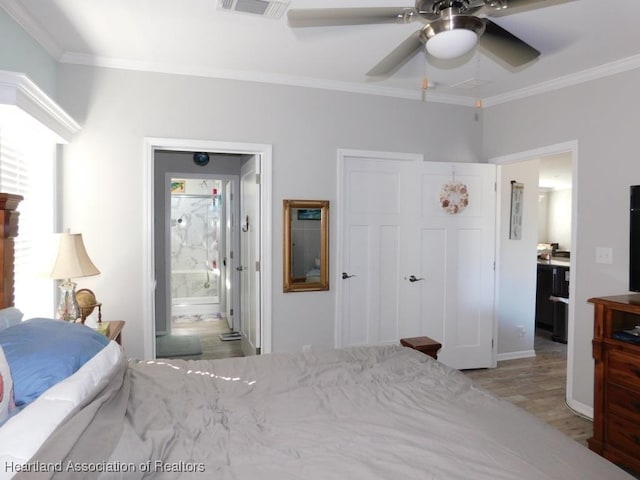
x,y
262,8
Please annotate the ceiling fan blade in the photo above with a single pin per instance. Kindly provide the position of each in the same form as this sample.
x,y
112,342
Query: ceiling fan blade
x,y
515,6
398,56
318,17
506,46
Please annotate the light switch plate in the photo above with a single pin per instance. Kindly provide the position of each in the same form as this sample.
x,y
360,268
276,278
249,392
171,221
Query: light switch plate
x,y
604,255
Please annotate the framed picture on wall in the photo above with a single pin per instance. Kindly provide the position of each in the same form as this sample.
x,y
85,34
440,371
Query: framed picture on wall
x,y
515,223
177,186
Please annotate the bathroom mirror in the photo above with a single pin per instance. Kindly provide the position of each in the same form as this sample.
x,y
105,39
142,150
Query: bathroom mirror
x,y
306,245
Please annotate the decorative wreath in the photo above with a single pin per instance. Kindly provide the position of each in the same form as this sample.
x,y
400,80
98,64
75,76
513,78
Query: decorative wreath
x,y
454,197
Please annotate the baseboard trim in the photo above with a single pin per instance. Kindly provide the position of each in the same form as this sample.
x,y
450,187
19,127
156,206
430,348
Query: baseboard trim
x,y
580,408
515,355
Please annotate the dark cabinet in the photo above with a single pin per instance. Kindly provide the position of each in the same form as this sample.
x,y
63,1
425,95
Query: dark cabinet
x,y
616,410
544,307
552,298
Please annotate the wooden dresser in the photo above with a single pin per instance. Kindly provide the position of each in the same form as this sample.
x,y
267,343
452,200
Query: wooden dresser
x,y
616,409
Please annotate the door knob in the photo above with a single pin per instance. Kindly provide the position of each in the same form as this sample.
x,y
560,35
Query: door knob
x,y
413,278
240,268
345,275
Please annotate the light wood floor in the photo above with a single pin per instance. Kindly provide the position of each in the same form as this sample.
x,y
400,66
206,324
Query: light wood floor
x,y
209,333
538,385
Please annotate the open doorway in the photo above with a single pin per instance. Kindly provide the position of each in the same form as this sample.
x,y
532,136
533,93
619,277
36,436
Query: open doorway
x,y
167,159
553,249
202,239
546,236
518,260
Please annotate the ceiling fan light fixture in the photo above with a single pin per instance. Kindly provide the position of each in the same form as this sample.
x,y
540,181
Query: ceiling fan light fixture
x,y
453,37
452,44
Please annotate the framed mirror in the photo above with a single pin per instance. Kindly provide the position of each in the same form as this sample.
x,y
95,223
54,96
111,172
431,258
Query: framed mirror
x,y
305,245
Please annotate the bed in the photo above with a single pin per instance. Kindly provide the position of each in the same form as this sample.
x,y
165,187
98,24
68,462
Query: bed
x,y
367,413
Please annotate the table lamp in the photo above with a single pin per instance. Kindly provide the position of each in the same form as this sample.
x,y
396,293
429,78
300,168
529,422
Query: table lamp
x,y
72,262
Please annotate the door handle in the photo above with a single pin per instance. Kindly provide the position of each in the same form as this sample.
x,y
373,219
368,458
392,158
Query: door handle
x,y
240,268
413,278
345,275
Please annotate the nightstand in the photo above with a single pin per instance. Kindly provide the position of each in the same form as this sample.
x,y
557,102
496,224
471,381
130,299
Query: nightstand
x,y
114,330
426,345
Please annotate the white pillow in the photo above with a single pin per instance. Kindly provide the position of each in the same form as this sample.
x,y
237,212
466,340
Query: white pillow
x,y
6,389
23,434
9,316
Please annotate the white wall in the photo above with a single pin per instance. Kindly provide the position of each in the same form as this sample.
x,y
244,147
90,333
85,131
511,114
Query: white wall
x,y
21,53
543,216
103,167
559,218
603,116
517,265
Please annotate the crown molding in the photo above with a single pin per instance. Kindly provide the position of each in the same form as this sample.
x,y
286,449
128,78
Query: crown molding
x,y
23,18
619,66
595,73
366,89
17,90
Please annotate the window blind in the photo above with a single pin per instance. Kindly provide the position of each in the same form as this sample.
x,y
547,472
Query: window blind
x,y
27,162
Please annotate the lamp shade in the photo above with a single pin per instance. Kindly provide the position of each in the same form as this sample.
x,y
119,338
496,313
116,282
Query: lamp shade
x,y
72,260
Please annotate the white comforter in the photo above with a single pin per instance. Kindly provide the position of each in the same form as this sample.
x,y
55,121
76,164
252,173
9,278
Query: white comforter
x,y
360,413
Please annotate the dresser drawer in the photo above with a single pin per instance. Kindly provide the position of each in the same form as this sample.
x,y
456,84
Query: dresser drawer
x,y
624,402
623,368
623,434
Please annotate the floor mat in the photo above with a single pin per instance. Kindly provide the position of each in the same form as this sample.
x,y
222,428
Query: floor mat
x,y
199,317
178,346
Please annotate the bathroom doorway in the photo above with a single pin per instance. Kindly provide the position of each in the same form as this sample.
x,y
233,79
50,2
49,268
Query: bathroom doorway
x,y
202,240
176,156
197,238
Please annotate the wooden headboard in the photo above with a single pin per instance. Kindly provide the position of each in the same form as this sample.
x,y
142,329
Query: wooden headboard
x,y
8,231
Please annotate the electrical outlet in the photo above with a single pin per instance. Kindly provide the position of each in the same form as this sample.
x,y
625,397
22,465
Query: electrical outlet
x,y
306,348
604,255
521,330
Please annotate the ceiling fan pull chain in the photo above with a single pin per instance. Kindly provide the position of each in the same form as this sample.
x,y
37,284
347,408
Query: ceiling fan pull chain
x,y
477,81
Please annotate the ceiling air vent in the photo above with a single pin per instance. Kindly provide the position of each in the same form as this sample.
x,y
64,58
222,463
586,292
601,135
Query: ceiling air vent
x,y
471,83
254,7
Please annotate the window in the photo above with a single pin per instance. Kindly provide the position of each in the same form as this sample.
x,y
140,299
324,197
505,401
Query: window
x,y
27,168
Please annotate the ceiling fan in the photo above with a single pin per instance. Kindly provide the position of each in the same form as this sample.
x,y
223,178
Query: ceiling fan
x,y
452,28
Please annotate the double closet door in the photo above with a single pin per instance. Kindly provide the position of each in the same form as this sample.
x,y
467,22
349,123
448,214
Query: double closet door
x,y
410,264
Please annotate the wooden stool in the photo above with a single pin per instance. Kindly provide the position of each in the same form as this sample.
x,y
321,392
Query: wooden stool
x,y
426,345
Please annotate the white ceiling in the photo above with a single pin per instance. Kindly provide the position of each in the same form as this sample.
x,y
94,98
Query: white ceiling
x,y
579,40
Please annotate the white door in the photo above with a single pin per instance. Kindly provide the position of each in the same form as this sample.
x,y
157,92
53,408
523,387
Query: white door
x,y
249,258
373,231
418,269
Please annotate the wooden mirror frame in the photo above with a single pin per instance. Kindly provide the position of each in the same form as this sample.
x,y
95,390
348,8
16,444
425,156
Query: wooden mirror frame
x,y
291,283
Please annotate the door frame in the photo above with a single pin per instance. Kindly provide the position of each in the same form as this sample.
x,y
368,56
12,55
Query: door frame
x,y
167,234
264,164
231,244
